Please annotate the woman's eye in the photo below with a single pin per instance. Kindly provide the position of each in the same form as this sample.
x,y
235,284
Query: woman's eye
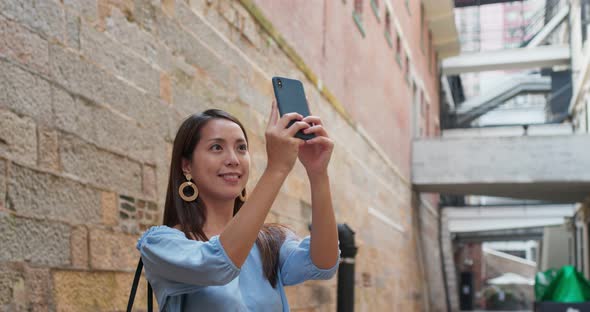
x,y
243,147
215,147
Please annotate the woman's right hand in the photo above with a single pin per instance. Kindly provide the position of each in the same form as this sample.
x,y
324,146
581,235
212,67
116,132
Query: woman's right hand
x,y
282,146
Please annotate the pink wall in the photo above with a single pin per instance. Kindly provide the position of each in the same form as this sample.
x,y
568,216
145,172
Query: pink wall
x,y
362,72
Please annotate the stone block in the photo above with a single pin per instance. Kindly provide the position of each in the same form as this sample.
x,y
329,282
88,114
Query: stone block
x,y
48,148
96,291
132,35
25,93
103,127
149,181
113,251
165,88
12,286
108,201
43,16
72,36
23,288
145,14
3,173
99,167
22,45
93,83
168,6
79,247
194,50
87,9
38,285
18,138
37,242
113,56
38,194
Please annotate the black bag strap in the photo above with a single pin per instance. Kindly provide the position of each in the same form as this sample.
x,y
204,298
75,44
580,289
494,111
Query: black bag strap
x,y
150,302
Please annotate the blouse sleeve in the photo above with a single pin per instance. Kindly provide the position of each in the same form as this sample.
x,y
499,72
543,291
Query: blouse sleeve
x,y
167,254
296,265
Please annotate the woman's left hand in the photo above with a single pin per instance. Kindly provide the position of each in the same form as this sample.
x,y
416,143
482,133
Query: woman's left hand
x,y
315,153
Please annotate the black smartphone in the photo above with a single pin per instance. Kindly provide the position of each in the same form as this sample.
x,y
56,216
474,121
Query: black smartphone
x,y
291,99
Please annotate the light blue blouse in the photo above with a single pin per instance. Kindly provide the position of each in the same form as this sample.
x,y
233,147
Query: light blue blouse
x,y
188,275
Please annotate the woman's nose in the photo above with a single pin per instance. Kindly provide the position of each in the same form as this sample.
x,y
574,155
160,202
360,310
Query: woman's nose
x,y
232,159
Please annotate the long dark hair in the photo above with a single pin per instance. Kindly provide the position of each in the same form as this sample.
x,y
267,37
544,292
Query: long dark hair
x,y
191,215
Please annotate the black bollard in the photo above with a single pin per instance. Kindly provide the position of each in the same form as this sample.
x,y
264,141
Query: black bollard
x,y
348,249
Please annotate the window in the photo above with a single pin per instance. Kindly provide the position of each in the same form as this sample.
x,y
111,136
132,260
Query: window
x,y
407,69
357,16
585,11
422,28
430,52
398,49
388,28
375,7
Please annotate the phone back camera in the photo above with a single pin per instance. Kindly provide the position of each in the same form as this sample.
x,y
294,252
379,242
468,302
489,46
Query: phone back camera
x,y
279,83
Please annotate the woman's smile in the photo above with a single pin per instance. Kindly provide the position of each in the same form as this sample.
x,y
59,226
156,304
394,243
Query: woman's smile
x,y
231,177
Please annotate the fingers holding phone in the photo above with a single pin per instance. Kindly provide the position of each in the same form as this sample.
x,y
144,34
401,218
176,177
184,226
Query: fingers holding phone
x,y
282,147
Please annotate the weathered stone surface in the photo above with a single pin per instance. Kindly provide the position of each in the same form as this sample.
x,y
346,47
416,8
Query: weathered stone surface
x,y
48,148
43,16
99,167
72,36
38,242
38,285
11,286
168,6
145,14
110,209
3,172
18,138
87,9
165,88
25,93
89,81
114,57
96,291
192,48
79,247
131,34
149,181
112,250
24,46
103,127
23,288
37,194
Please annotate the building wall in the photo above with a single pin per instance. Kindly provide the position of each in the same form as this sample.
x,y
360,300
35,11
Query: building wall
x,y
362,71
579,107
93,93
429,231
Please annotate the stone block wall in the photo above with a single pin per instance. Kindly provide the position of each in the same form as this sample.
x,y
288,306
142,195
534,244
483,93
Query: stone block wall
x,y
91,95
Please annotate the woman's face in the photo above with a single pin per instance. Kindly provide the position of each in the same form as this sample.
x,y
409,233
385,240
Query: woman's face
x,y
221,161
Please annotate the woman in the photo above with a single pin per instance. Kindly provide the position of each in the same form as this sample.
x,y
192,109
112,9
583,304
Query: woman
x,y
214,252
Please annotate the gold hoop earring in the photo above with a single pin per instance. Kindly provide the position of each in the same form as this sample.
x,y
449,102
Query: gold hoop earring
x,y
192,185
243,195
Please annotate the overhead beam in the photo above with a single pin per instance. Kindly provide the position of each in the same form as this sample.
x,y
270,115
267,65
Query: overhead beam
x,y
504,235
477,219
548,167
509,59
542,35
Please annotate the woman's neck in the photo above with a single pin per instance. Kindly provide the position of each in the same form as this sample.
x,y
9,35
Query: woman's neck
x,y
219,214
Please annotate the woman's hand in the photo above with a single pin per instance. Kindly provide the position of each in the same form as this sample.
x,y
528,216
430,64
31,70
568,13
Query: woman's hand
x,y
282,146
315,154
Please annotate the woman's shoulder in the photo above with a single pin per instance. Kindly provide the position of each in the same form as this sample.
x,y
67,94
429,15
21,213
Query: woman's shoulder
x,y
158,230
